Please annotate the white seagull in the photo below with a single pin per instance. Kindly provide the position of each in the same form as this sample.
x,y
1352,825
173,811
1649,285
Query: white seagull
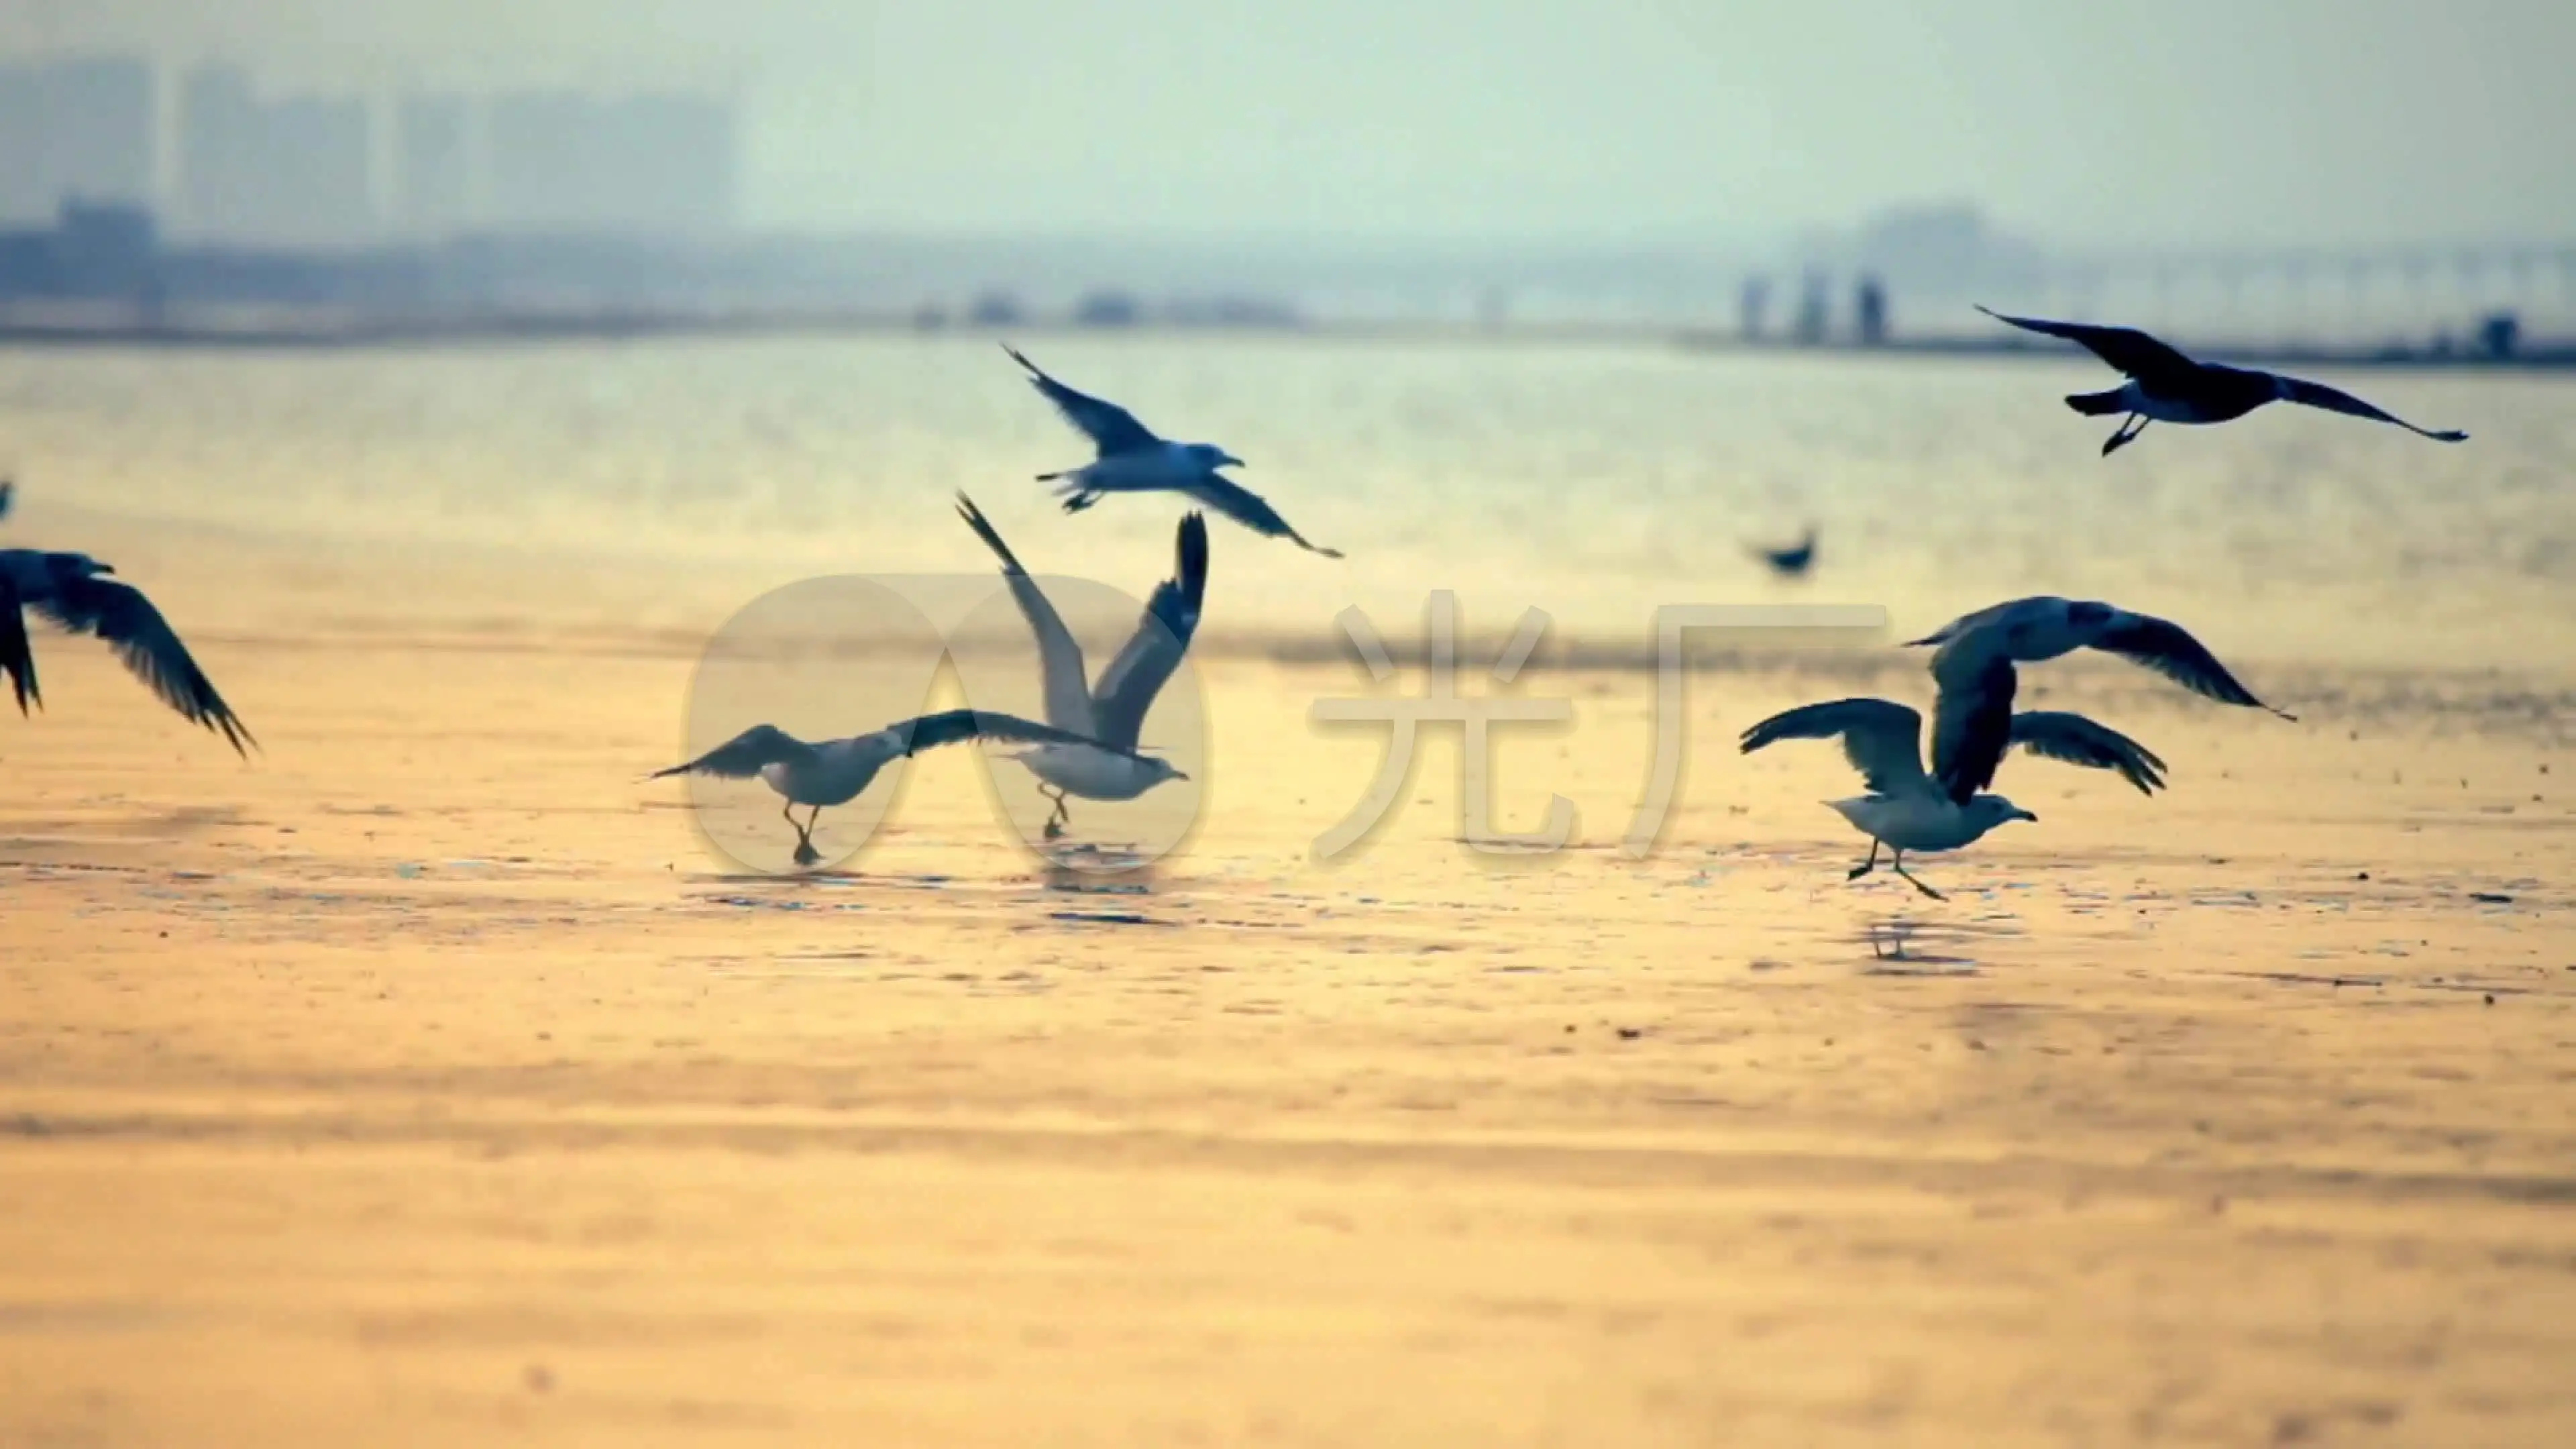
x,y
2167,387
1908,809
833,772
1112,712
1133,460
67,589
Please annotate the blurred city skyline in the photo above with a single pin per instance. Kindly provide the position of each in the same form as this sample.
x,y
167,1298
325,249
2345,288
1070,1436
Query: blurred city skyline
x,y
1519,123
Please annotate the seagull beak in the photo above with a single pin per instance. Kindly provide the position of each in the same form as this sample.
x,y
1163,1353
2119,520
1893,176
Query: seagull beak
x,y
2025,815
107,568
1180,774
1232,461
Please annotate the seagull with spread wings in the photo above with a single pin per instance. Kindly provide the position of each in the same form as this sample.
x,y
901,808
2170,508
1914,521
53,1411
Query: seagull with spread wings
x,y
820,773
2028,631
2166,386
1113,710
1133,460
68,590
1908,808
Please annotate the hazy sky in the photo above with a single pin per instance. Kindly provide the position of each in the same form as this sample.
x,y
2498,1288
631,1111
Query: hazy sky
x,y
2222,121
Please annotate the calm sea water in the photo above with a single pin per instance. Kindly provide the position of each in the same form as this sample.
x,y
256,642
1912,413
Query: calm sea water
x,y
1595,482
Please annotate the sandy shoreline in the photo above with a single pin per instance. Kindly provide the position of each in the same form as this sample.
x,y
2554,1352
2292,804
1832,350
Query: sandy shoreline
x,y
428,1081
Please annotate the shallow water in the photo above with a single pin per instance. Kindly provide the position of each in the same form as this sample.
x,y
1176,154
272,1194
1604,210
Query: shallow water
x,y
429,1077
1594,482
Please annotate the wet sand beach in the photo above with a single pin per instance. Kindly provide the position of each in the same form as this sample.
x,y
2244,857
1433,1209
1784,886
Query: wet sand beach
x,y
428,1079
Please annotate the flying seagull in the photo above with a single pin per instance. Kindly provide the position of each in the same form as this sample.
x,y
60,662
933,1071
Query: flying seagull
x,y
1908,809
2165,386
1793,561
1133,460
17,657
67,589
2031,630
1114,710
833,772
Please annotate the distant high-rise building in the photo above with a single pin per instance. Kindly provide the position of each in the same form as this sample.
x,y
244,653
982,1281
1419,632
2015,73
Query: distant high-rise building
x,y
77,129
316,157
219,147
251,170
539,163
564,162
22,130
433,167
675,154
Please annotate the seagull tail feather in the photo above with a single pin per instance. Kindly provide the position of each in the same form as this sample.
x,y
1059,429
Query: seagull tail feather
x,y
2097,404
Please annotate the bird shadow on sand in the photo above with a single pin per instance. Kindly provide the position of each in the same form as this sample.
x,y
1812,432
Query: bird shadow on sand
x,y
1903,945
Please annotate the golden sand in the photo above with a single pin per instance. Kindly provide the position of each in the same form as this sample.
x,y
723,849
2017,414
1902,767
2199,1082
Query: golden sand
x,y
428,1081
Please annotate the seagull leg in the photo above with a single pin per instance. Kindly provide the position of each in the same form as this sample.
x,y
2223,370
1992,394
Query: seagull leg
x,y
1898,865
2130,427
806,854
1866,866
1061,816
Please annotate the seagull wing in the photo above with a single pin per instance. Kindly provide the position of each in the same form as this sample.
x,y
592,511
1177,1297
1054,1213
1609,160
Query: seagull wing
x,y
1880,737
119,614
1129,684
2167,649
1068,697
2335,400
2126,348
930,731
1967,624
745,755
2058,735
1972,725
1110,427
17,652
1245,507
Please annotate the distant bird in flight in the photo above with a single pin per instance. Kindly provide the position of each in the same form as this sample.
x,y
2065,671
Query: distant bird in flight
x,y
1909,809
1112,712
8,495
2165,386
67,590
1133,460
1790,562
833,772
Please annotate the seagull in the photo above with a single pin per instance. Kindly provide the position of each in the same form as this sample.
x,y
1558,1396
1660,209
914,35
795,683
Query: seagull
x,y
833,772
2165,386
1907,809
17,657
1113,711
1133,460
1790,562
2031,630
67,589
